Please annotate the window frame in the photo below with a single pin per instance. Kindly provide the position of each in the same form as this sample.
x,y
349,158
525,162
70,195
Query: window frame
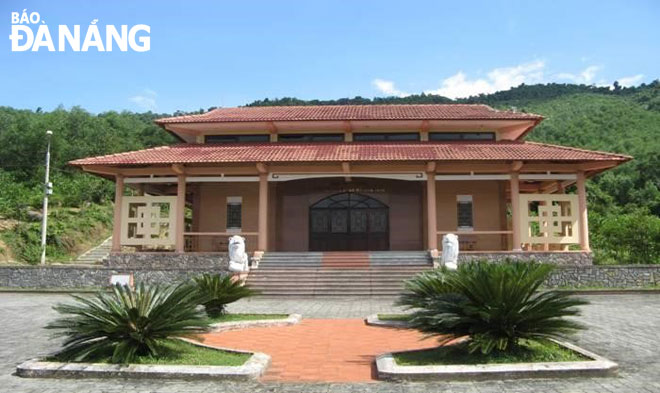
x,y
462,200
461,136
307,138
386,136
230,203
263,138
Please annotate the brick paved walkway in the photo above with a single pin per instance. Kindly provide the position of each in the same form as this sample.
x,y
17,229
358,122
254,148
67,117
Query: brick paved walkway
x,y
321,350
623,328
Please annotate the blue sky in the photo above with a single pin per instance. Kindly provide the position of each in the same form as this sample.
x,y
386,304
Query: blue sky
x,y
229,53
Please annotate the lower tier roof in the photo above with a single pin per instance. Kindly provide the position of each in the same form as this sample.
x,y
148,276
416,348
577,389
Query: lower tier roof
x,y
282,152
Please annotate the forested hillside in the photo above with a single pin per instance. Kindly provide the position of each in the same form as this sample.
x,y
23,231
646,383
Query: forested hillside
x,y
623,120
80,213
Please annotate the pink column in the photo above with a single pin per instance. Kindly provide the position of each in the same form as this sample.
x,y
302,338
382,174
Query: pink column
x,y
515,211
116,225
432,218
180,213
583,221
262,241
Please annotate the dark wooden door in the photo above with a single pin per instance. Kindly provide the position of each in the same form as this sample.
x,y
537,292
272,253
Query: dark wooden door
x,y
349,222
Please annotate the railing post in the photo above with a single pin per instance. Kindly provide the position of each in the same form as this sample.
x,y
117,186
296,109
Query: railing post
x,y
116,224
583,220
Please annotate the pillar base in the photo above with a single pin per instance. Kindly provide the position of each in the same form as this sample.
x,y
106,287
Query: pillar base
x,y
256,258
435,257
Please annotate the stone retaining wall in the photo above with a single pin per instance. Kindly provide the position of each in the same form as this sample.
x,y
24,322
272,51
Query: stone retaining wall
x,y
619,276
167,260
563,258
87,276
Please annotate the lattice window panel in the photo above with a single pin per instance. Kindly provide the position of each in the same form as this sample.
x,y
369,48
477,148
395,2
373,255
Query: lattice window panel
x,y
554,222
148,221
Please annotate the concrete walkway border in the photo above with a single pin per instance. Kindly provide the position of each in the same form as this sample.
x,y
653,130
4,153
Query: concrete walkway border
x,y
373,320
388,369
292,319
252,369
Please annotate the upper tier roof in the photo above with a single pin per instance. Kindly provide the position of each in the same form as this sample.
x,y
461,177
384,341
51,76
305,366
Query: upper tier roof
x,y
279,152
351,112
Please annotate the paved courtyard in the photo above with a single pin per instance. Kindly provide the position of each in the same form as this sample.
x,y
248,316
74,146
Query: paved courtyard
x,y
318,350
623,328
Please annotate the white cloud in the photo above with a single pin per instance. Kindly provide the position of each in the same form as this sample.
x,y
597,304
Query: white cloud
x,y
146,100
387,88
633,80
585,77
459,85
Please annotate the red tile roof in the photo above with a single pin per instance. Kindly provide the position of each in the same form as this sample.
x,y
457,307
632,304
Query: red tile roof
x,y
352,112
349,151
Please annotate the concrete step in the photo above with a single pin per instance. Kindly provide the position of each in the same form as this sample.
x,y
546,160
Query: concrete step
x,y
288,265
336,273
397,282
328,288
339,275
302,270
345,258
373,254
338,290
346,293
334,266
96,254
330,271
392,293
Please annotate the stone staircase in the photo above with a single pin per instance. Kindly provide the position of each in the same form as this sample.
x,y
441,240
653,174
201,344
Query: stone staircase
x,y
336,273
96,254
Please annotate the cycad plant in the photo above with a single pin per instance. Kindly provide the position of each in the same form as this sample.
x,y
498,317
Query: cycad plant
x,y
127,322
216,291
495,304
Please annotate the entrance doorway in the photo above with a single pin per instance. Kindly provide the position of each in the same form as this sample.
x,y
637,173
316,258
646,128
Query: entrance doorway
x,y
349,222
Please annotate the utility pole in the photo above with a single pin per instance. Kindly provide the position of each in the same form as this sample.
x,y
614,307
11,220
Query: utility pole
x,y
48,189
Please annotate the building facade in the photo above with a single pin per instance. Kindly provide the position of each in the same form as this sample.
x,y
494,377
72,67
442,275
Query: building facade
x,y
352,178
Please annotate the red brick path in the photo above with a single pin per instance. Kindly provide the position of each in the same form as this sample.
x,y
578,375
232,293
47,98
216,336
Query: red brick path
x,y
330,350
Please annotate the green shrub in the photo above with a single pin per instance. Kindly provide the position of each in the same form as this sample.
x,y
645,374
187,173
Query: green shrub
x,y
127,322
215,292
626,238
496,305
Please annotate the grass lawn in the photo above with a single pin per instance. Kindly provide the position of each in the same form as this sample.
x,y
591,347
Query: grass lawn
x,y
177,352
247,317
529,352
394,317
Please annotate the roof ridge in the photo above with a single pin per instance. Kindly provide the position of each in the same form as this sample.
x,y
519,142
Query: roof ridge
x,y
348,106
424,111
579,149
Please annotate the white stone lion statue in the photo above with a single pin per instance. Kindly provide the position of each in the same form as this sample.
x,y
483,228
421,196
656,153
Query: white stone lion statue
x,y
238,259
450,251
